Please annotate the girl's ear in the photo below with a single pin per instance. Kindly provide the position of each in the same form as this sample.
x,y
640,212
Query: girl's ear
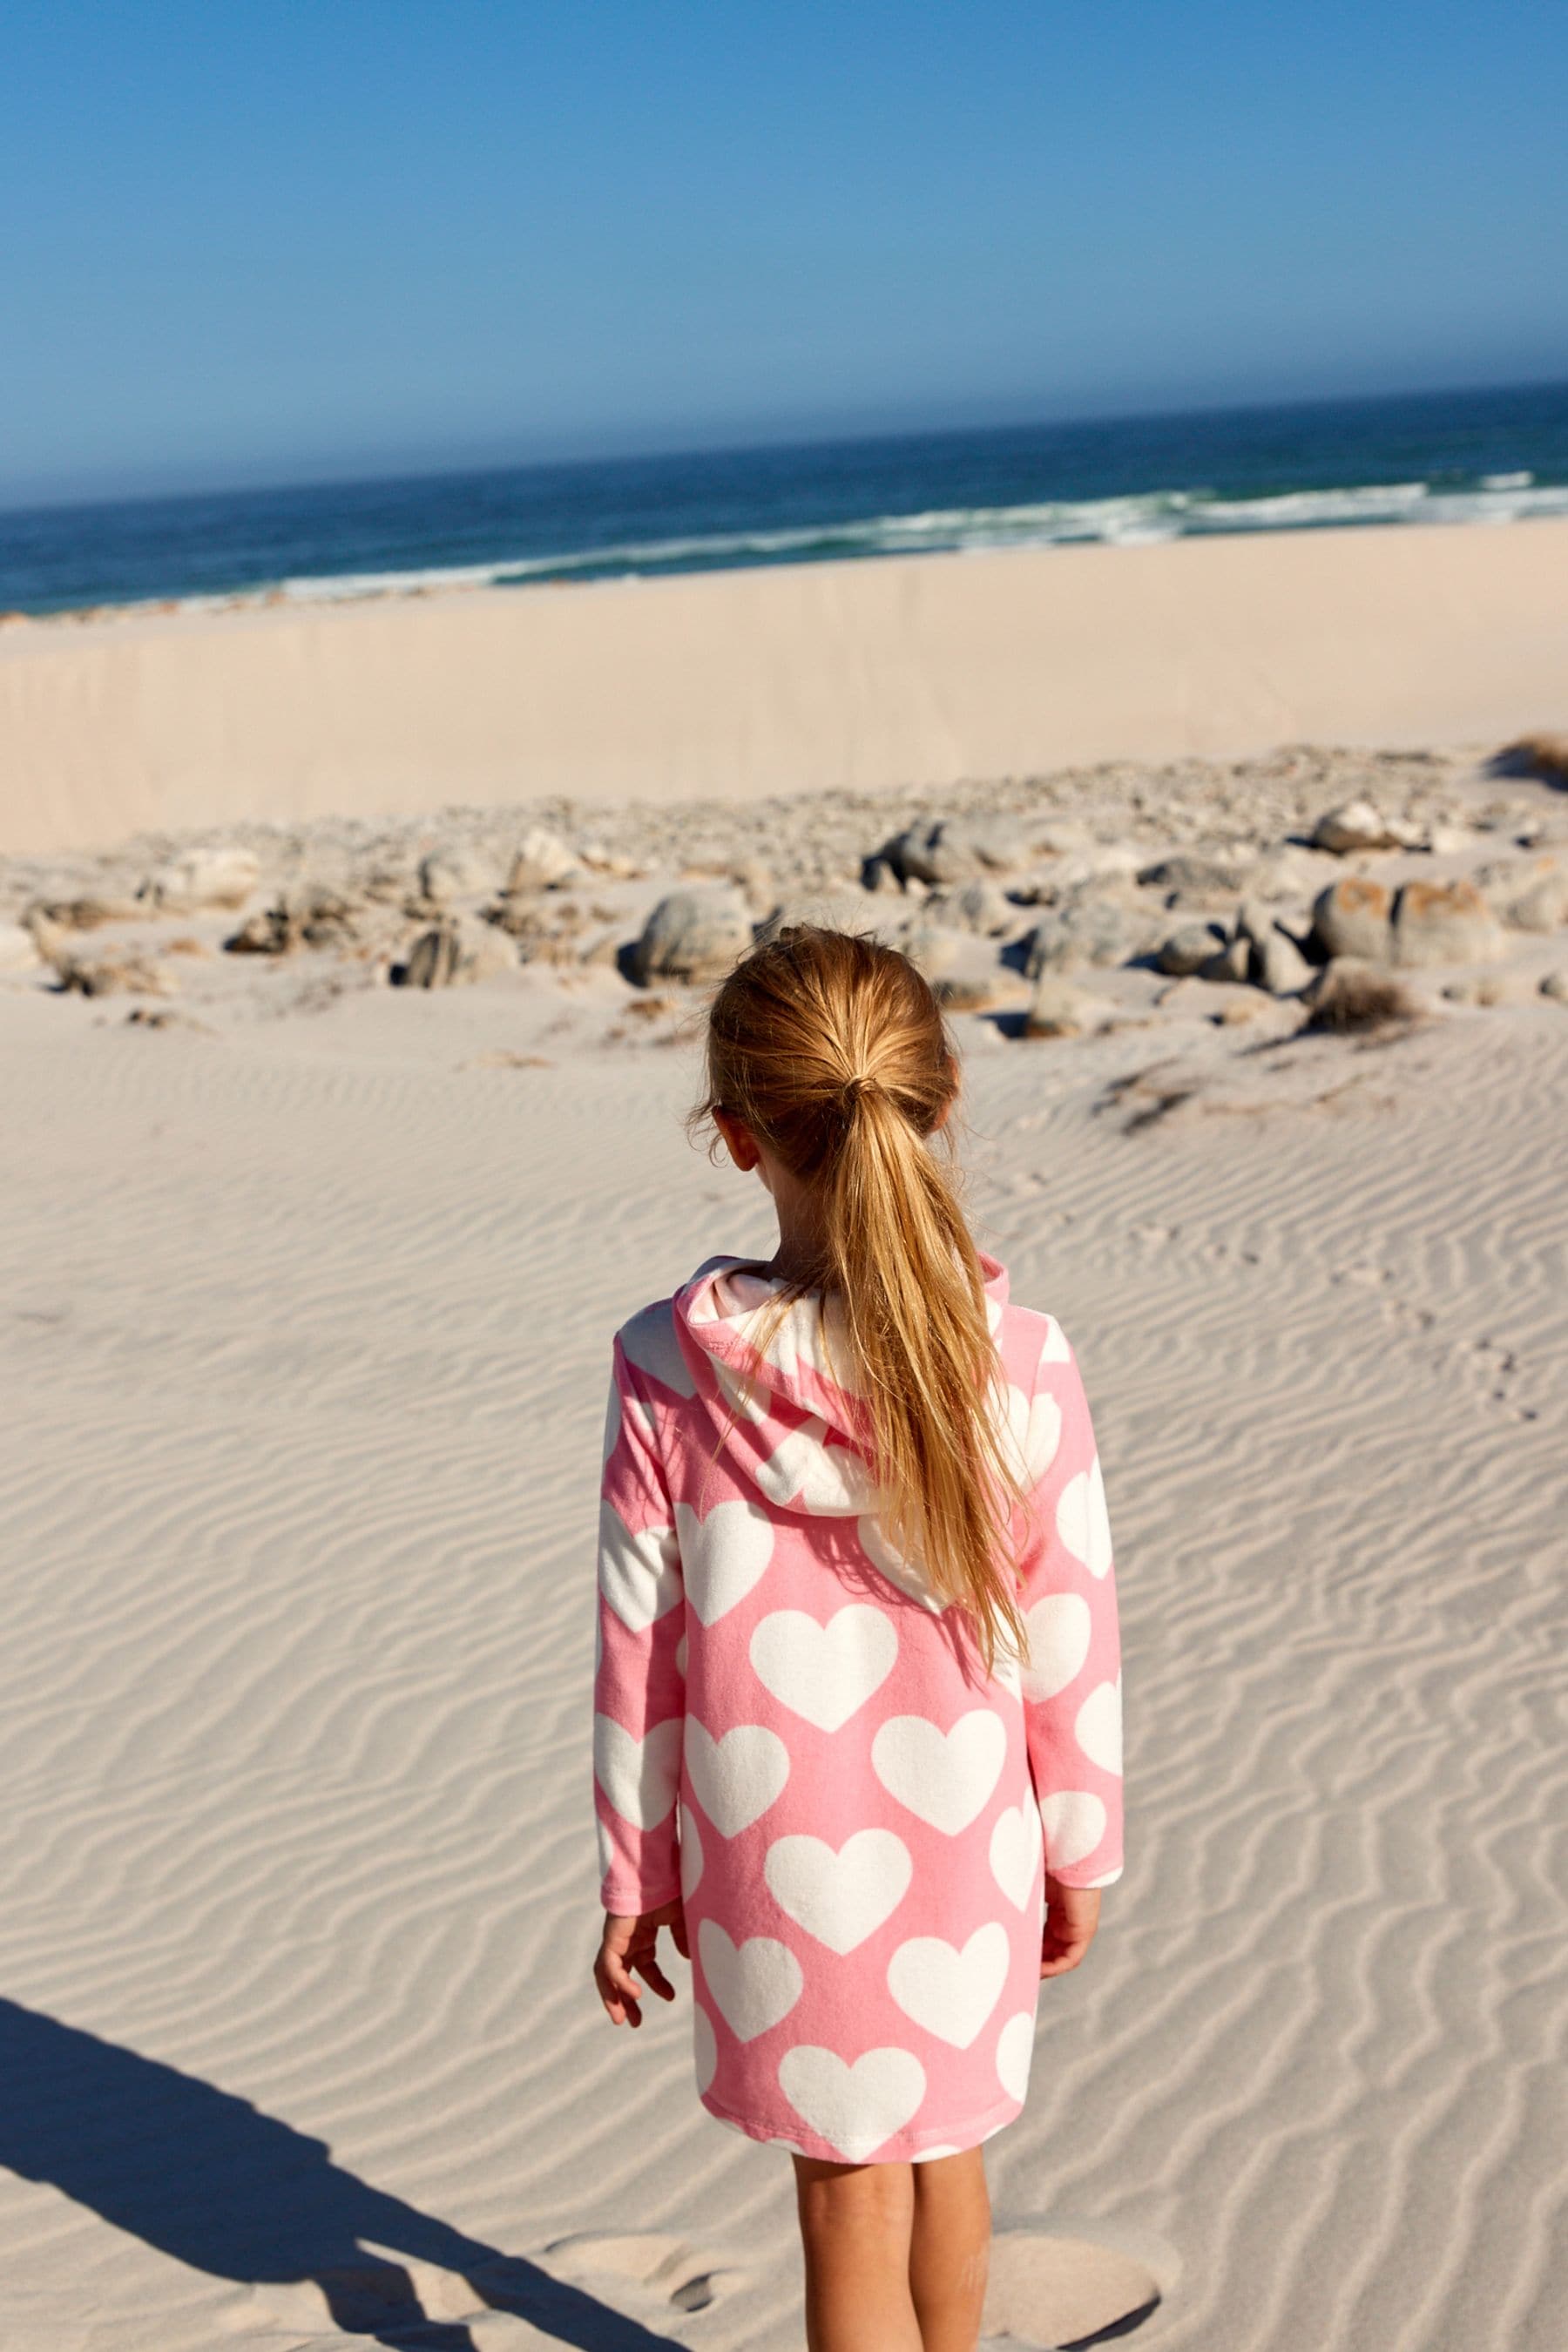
x,y
739,1140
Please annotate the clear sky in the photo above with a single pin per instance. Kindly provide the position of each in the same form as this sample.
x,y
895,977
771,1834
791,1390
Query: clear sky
x,y
257,240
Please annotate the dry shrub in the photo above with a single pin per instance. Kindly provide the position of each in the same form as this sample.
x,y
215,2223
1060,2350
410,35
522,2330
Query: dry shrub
x,y
1357,999
1542,756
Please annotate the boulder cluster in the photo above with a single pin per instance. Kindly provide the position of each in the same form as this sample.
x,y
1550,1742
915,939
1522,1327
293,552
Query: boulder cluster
x,y
1060,905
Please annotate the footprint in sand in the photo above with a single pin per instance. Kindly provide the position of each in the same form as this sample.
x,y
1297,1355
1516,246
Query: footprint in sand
x,y
673,2273
1049,2290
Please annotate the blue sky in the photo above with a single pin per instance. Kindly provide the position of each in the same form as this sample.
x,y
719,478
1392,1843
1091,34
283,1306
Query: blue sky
x,y
254,240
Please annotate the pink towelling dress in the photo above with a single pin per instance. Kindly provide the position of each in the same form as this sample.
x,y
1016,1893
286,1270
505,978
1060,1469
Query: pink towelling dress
x,y
790,1732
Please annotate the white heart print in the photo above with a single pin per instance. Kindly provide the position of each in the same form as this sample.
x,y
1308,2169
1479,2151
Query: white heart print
x,y
723,1556
1060,1629
1015,1850
824,1672
638,1776
640,1574
840,1898
854,2107
945,1777
1015,2049
952,1991
735,1779
690,1854
1099,1726
1074,1823
754,1983
1081,1519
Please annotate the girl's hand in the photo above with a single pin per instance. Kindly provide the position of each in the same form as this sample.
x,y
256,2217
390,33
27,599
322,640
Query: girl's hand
x,y
1072,1914
629,1949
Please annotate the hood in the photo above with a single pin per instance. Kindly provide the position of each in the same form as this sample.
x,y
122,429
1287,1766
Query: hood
x,y
798,1427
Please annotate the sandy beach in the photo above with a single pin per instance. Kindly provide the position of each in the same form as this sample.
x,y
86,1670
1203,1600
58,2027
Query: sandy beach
x,y
847,677
309,1280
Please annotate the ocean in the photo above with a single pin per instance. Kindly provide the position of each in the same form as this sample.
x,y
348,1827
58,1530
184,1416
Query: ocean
x,y
1474,456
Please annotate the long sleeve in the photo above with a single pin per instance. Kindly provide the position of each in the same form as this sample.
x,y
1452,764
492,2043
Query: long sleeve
x,y
1072,1675
638,1675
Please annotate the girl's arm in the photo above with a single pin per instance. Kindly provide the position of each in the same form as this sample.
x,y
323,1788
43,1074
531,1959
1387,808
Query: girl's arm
x,y
1072,1672
639,1701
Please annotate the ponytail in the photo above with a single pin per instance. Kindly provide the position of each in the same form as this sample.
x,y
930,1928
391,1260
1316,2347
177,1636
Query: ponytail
x,y
833,1050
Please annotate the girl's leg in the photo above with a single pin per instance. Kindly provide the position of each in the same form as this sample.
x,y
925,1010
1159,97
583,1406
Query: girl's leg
x,y
855,2225
949,2245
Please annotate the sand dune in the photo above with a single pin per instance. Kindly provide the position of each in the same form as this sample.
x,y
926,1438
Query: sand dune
x,y
304,1338
838,677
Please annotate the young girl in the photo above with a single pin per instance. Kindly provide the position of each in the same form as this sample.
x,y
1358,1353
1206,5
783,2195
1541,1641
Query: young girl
x,y
858,1691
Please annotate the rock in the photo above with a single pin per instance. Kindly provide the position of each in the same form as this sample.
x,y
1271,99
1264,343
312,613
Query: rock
x,y
1205,877
1057,1009
118,971
1489,988
1286,871
18,948
692,935
1356,824
754,881
937,952
543,861
978,907
84,914
1530,893
982,988
954,849
1444,922
217,876
269,932
448,873
877,874
1084,931
1188,948
1232,961
1554,984
451,951
432,960
1275,962
1352,918
602,860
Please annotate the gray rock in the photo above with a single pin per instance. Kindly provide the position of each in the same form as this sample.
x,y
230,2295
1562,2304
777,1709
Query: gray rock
x,y
448,873
541,861
1086,932
433,960
1445,922
214,875
1278,965
978,907
1057,1009
118,971
1188,948
1352,918
1232,961
954,849
454,950
1356,824
693,935
1530,893
1554,984
1185,870
18,948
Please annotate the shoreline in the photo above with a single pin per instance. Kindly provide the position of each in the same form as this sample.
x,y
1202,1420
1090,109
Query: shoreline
x,y
903,672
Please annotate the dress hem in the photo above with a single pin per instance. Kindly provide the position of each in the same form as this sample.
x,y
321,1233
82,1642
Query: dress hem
x,y
900,2147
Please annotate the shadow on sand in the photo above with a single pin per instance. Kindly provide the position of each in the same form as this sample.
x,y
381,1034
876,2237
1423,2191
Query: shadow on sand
x,y
207,2178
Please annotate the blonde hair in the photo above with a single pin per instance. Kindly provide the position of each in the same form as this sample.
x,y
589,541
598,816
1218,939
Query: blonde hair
x,y
834,1052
